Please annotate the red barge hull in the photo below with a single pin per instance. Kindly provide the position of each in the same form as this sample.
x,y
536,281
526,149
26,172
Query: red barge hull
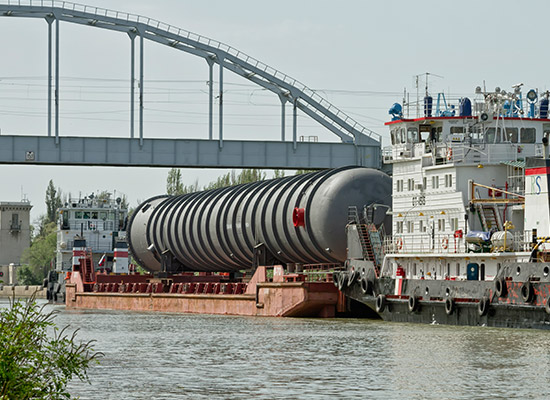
x,y
281,296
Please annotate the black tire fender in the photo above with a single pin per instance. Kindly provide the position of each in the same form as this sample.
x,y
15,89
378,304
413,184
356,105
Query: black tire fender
x,y
449,306
413,303
366,285
380,303
500,287
527,292
483,306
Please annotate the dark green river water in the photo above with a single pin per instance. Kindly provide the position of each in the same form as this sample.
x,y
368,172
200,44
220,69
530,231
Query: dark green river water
x,y
169,356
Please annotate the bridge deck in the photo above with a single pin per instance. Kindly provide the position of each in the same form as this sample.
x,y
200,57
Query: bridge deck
x,y
192,153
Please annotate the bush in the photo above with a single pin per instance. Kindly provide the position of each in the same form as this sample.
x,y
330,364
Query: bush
x,y
37,359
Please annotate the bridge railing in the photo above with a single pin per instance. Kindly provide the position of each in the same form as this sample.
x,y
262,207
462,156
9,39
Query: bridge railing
x,y
209,42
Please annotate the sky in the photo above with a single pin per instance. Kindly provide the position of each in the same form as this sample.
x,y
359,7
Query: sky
x,y
360,55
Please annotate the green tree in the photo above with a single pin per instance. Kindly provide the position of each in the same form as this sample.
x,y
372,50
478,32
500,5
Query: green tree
x,y
39,255
305,171
278,173
174,185
34,364
53,201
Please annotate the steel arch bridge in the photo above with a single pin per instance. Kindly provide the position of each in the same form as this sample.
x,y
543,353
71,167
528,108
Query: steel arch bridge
x,y
358,145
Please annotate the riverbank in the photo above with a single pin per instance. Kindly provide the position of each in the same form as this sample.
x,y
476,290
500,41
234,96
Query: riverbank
x,y
21,291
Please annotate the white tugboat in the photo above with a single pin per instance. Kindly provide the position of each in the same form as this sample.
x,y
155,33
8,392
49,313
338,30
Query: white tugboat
x,y
470,216
92,225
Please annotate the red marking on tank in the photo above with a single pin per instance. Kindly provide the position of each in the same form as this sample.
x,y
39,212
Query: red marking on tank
x,y
298,217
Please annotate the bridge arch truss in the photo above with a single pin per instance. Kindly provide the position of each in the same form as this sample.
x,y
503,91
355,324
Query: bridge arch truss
x,y
358,145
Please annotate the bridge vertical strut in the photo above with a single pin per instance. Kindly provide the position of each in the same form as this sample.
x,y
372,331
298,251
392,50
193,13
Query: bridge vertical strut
x,y
49,21
141,40
56,80
132,80
294,124
220,59
282,121
210,99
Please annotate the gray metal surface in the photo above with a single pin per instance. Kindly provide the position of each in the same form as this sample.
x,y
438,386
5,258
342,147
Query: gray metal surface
x,y
217,230
191,153
214,52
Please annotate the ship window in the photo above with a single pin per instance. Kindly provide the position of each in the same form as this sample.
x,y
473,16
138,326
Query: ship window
x,y
78,214
402,135
457,129
399,227
448,180
410,184
94,214
493,135
454,224
421,226
441,225
424,183
399,185
512,135
457,269
435,182
528,135
103,215
410,226
86,215
414,269
412,135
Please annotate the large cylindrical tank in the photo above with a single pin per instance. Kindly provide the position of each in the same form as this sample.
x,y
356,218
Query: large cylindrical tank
x,y
217,230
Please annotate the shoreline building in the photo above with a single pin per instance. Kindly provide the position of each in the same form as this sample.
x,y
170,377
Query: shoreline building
x,y
15,237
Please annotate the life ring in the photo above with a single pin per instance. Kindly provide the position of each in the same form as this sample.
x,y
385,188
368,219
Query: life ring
x,y
449,306
527,292
380,303
445,243
399,243
449,154
500,287
413,303
483,306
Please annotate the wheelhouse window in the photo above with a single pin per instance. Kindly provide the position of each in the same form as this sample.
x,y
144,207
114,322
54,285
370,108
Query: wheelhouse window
x,y
412,134
493,135
511,135
528,135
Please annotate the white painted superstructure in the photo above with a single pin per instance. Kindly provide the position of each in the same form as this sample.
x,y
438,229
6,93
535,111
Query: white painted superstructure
x,y
458,176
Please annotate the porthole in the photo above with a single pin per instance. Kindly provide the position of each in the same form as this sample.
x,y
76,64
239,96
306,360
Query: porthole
x,y
546,270
427,291
518,270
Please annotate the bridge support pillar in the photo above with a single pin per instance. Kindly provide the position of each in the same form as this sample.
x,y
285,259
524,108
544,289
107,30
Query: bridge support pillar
x,y
294,123
57,81
49,20
141,89
132,80
220,59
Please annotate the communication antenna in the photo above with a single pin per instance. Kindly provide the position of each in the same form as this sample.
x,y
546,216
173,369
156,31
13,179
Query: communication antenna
x,y
417,85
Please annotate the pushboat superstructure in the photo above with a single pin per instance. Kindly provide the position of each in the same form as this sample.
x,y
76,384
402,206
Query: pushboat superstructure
x,y
470,210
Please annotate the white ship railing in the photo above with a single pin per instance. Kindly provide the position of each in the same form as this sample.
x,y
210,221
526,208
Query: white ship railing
x,y
425,243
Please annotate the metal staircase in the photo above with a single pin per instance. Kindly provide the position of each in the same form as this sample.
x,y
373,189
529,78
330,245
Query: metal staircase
x,y
87,269
369,237
490,217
